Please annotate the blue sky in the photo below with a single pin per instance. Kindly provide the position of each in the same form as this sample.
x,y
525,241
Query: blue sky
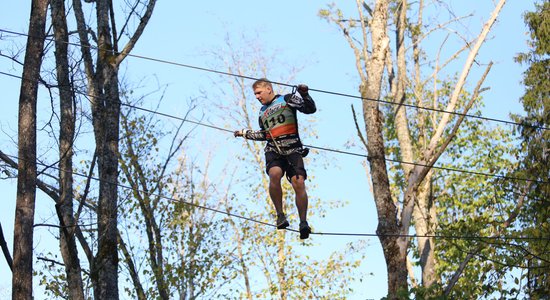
x,y
183,31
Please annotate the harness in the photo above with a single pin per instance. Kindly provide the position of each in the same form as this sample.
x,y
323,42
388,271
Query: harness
x,y
281,127
280,124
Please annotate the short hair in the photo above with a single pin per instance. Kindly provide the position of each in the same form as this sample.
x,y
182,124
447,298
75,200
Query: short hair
x,y
262,82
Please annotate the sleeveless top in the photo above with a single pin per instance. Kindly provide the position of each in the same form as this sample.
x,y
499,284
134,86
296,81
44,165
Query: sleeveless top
x,y
279,123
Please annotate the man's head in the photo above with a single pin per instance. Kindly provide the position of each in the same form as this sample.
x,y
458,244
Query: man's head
x,y
263,90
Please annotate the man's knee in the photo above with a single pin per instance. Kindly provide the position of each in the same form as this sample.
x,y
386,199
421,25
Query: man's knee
x,y
275,174
298,182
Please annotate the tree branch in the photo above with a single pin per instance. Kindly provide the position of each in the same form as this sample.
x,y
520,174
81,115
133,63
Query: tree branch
x,y
84,42
359,133
355,49
454,131
54,195
132,268
139,31
462,79
421,170
5,249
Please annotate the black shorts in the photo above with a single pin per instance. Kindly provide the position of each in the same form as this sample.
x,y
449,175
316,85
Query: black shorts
x,y
292,164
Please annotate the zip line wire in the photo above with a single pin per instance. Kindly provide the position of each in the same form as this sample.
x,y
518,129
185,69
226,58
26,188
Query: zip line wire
x,y
353,153
250,219
163,61
318,147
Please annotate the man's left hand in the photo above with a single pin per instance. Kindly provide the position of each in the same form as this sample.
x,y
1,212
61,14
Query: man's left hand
x,y
238,133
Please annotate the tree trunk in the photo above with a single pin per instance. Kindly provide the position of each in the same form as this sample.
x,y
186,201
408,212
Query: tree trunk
x,y
424,216
106,128
241,257
103,89
401,118
244,269
424,213
26,177
394,252
106,116
64,207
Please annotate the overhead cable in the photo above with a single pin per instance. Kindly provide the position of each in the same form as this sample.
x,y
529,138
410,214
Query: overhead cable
x,y
322,148
215,210
189,66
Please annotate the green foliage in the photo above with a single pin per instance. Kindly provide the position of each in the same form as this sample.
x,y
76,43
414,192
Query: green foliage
x,y
471,206
52,277
467,205
535,153
433,292
180,247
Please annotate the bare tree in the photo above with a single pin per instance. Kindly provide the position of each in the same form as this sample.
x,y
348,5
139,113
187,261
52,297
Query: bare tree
x,y
26,178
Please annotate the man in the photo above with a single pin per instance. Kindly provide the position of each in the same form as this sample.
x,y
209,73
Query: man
x,y
284,149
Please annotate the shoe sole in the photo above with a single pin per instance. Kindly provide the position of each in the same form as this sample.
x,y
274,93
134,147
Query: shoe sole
x,y
304,233
284,225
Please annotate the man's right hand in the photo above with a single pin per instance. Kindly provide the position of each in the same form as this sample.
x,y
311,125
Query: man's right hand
x,y
303,89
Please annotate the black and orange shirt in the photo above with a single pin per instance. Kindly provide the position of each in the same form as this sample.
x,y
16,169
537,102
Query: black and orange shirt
x,y
279,123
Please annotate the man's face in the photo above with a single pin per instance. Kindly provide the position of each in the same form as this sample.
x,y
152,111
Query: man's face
x,y
264,94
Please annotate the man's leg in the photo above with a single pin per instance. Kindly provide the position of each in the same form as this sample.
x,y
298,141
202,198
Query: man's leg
x,y
298,176
276,194
275,189
299,186
298,183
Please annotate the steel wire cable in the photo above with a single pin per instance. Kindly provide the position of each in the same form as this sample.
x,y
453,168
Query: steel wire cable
x,y
250,219
189,66
477,173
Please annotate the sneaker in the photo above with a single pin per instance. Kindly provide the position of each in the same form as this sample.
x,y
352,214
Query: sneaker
x,y
282,222
305,230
